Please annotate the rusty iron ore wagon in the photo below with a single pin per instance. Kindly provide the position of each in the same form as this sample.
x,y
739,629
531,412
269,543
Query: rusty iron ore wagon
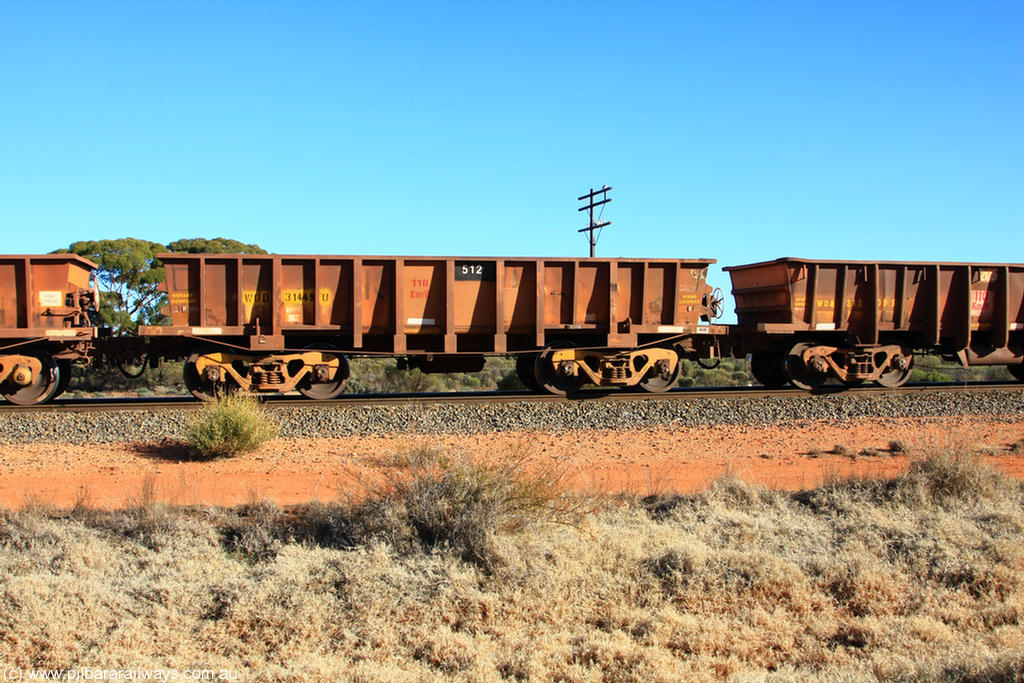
x,y
277,323
46,323
804,321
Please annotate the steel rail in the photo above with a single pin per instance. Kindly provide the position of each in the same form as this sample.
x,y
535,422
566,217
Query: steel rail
x,y
590,395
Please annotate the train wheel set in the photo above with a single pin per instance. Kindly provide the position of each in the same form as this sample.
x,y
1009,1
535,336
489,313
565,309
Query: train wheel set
x,y
560,369
271,324
316,373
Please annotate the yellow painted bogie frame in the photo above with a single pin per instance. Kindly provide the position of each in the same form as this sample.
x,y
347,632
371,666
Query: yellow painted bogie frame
x,y
278,364
610,364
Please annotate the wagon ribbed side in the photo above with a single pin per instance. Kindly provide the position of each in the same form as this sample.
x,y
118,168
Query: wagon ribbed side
x,y
863,320
440,313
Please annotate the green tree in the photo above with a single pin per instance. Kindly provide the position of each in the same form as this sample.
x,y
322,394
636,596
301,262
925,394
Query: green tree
x,y
218,245
128,279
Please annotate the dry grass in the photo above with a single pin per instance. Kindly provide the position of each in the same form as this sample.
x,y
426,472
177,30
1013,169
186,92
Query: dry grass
x,y
229,425
454,571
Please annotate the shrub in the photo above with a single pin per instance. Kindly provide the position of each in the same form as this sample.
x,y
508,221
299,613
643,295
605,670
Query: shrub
x,y
951,479
441,502
422,500
715,378
510,382
232,424
409,381
163,380
929,376
254,531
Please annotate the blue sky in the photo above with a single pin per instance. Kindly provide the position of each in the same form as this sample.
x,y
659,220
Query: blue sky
x,y
738,131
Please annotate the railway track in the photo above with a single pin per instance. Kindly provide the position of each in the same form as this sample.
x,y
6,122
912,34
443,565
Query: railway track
x,y
170,403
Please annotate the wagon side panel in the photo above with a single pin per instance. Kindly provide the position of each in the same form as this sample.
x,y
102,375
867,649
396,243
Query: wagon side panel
x,y
520,297
13,304
763,295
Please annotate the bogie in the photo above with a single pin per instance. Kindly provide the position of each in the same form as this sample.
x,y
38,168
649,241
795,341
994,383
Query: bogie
x,y
318,373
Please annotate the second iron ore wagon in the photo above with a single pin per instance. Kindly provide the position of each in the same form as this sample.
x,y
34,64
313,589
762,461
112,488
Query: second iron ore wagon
x,y
276,323
804,321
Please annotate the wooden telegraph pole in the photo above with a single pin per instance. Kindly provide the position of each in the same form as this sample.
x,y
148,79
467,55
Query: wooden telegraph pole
x,y
592,225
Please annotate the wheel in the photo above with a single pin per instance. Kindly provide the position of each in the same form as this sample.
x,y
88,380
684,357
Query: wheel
x,y
1017,371
799,374
524,369
659,382
892,377
546,377
200,387
331,386
65,377
43,386
769,368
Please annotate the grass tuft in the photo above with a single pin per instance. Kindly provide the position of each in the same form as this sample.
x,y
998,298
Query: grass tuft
x,y
232,424
952,478
425,501
459,504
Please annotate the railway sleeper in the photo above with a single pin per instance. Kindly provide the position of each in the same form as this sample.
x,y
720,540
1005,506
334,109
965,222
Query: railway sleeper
x,y
617,368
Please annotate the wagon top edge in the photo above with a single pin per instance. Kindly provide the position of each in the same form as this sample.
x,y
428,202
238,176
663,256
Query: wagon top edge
x,y
50,257
378,257
841,262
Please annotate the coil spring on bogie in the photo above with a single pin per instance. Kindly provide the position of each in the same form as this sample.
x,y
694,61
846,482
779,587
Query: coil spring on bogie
x,y
267,379
860,365
615,370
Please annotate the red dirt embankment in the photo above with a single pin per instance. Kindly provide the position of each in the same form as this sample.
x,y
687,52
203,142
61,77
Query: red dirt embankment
x,y
636,461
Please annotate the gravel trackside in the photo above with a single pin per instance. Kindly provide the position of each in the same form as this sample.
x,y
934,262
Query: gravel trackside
x,y
337,421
